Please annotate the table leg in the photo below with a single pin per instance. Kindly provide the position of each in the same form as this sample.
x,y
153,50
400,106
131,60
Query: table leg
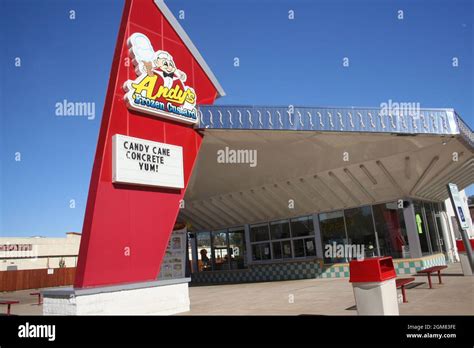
x,y
404,295
429,280
439,277
8,308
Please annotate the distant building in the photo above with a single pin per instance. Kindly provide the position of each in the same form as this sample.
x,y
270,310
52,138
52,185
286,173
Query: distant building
x,y
19,253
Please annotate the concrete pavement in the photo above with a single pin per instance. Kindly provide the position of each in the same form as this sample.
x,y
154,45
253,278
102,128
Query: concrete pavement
x,y
312,296
330,297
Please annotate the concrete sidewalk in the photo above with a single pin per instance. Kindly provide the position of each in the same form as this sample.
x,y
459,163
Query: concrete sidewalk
x,y
312,296
330,297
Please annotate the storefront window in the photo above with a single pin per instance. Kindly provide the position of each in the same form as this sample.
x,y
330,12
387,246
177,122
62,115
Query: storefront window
x,y
280,229
285,239
238,252
421,228
304,247
259,233
310,247
360,230
391,230
302,226
282,250
332,233
204,251
261,251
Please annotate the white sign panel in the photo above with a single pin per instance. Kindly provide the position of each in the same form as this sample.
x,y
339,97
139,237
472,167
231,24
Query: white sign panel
x,y
144,162
457,203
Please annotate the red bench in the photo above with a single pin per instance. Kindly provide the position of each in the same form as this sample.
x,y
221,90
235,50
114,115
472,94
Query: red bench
x,y
400,283
9,303
39,296
430,270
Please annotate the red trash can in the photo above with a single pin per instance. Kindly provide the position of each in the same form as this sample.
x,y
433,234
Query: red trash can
x,y
373,282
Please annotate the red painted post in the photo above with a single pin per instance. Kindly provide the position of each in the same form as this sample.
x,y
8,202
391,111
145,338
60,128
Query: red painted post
x,y
403,294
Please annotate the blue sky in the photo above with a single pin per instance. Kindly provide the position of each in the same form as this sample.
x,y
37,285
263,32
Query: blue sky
x,y
282,62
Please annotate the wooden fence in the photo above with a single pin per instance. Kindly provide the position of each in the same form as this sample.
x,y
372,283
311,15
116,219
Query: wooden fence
x,y
36,278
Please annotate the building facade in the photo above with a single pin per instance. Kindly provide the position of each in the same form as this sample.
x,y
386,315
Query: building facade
x,y
39,252
277,192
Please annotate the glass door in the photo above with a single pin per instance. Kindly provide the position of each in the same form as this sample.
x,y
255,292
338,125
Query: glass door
x,y
360,230
237,250
439,229
220,250
422,228
333,233
203,243
431,228
391,230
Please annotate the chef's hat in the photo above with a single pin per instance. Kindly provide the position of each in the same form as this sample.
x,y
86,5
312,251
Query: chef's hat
x,y
163,55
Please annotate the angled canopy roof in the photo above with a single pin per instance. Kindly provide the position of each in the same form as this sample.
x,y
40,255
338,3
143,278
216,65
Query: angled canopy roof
x,y
299,156
330,119
192,48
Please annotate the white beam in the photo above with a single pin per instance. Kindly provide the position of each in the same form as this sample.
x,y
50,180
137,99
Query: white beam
x,y
424,174
291,196
249,198
344,188
235,198
202,212
368,174
216,205
195,219
225,201
270,195
390,177
435,187
267,203
446,176
332,193
309,199
361,187
309,184
407,168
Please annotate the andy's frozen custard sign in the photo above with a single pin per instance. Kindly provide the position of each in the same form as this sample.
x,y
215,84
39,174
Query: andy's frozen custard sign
x,y
159,88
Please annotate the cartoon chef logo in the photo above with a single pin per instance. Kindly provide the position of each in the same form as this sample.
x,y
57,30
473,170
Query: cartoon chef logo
x,y
160,87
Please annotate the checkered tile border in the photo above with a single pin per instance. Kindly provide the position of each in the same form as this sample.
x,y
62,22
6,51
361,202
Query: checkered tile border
x,y
261,273
336,271
414,265
305,270
407,267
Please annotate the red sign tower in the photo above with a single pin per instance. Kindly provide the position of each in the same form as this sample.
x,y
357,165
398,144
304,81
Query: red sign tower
x,y
127,227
